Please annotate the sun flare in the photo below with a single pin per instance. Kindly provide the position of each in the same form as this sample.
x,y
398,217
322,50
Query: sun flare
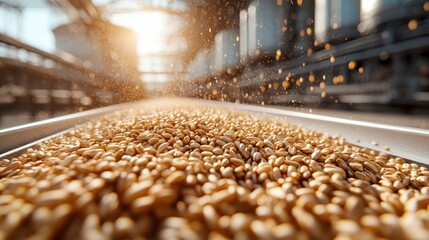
x,y
150,28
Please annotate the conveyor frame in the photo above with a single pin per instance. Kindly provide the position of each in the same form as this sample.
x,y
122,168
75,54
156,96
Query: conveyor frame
x,y
406,142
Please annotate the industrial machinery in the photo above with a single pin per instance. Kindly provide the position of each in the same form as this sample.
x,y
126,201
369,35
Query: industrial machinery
x,y
338,53
336,21
95,64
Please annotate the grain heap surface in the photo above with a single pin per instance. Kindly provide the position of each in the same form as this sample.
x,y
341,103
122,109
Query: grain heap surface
x,y
207,173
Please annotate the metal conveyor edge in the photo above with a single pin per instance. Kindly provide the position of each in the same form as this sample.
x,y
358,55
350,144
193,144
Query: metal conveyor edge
x,y
406,142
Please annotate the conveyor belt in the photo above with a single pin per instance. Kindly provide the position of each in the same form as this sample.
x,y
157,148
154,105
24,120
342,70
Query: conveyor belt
x,y
16,139
406,142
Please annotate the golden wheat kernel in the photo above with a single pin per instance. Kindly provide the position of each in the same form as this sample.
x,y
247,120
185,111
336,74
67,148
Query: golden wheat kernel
x,y
176,177
143,204
53,198
346,226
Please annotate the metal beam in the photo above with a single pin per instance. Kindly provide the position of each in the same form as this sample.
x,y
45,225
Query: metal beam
x,y
13,42
9,5
68,9
84,10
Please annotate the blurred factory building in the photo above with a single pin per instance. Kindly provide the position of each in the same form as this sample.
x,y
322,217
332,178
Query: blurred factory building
x,y
64,56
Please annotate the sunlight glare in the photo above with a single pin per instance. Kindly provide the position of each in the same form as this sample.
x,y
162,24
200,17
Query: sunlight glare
x,y
367,6
150,28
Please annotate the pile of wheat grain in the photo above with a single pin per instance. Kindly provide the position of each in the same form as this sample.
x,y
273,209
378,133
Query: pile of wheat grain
x,y
208,173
